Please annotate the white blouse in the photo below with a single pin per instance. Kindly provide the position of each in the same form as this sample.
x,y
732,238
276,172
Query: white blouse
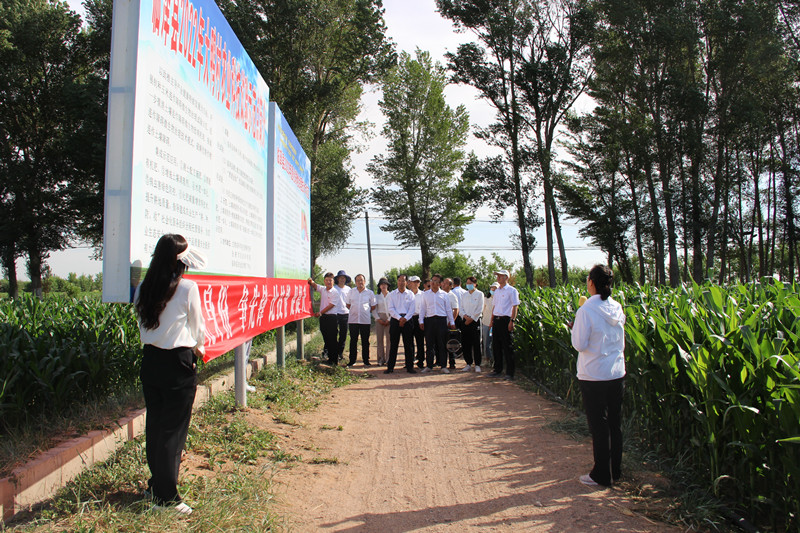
x,y
181,323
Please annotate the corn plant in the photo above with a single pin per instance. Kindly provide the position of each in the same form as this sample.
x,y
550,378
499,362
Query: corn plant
x,y
713,376
59,351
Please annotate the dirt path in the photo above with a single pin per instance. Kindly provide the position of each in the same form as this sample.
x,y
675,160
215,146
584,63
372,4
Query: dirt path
x,y
438,452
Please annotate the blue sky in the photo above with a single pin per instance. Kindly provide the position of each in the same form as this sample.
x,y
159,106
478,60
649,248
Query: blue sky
x,y
411,24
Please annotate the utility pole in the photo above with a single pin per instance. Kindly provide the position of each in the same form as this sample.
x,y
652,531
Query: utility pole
x,y
369,255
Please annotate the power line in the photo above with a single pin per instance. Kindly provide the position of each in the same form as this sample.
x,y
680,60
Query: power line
x,y
471,248
484,220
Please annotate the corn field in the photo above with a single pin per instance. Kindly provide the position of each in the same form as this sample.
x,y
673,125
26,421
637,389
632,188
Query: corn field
x,y
713,378
57,352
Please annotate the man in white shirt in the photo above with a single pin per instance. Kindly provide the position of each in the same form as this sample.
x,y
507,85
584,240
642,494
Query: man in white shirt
x,y
435,316
458,290
504,313
419,335
362,304
455,303
486,331
401,304
330,301
342,282
470,313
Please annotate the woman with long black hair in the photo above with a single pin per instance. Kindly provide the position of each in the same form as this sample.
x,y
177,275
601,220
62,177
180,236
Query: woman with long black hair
x,y
172,329
599,337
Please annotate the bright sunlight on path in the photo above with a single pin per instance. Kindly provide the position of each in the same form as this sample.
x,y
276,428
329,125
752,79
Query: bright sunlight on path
x,y
443,452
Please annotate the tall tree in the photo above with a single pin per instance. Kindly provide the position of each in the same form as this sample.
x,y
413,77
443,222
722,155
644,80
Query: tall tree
x,y
315,55
593,190
43,69
418,190
555,69
492,66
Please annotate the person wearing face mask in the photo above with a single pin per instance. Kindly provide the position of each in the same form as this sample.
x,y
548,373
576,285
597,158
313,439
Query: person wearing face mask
x,y
486,329
471,312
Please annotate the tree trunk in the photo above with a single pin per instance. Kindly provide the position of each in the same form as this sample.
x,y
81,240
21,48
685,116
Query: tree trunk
x,y
658,232
666,191
789,200
560,240
723,243
774,225
523,226
548,224
427,260
35,261
698,274
637,222
712,222
10,268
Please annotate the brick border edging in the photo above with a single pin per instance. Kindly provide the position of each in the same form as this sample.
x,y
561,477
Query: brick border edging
x,y
40,478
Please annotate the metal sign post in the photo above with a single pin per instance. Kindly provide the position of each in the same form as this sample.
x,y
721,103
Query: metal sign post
x,y
279,347
300,351
240,374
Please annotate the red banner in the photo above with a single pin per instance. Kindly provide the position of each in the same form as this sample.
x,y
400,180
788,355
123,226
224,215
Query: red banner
x,y
239,308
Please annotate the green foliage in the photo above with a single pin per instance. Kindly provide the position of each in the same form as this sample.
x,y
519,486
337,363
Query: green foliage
x,y
458,264
315,55
417,189
60,351
713,378
51,103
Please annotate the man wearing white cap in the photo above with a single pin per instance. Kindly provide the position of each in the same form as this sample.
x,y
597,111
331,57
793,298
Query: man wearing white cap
x,y
504,313
419,335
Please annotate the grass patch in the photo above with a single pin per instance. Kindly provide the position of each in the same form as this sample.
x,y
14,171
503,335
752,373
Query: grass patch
x,y
229,493
42,432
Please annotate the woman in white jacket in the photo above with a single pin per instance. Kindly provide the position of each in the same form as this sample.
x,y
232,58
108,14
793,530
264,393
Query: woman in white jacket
x,y
599,336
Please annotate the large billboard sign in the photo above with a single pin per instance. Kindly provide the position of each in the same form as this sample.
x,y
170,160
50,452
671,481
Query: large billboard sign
x,y
188,152
290,209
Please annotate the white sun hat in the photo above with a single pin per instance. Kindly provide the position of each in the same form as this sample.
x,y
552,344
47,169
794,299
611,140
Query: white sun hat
x,y
192,258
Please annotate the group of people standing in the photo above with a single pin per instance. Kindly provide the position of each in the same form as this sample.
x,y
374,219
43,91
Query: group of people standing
x,y
421,313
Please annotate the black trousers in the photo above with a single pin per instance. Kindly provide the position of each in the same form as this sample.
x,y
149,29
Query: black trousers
x,y
342,321
355,331
602,401
169,383
436,340
395,332
503,346
419,337
328,326
452,355
471,342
